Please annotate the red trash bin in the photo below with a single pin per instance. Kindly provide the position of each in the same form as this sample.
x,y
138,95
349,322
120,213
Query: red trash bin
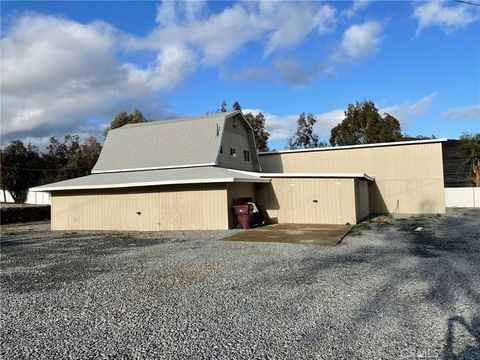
x,y
243,215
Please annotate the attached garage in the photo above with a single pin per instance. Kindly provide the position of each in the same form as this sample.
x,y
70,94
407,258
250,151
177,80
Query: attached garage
x,y
315,198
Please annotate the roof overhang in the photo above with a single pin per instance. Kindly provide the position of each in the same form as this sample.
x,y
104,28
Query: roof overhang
x,y
320,175
209,175
334,148
310,175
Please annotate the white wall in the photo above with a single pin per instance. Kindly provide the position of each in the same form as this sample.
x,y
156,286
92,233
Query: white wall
x,y
36,198
462,197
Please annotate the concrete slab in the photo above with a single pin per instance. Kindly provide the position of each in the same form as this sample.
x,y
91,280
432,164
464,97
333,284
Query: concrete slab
x,y
306,234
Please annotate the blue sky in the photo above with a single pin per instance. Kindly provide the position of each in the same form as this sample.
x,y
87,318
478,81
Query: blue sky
x,y
69,67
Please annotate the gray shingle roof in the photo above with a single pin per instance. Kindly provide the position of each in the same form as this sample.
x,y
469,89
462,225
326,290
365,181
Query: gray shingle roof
x,y
195,175
162,144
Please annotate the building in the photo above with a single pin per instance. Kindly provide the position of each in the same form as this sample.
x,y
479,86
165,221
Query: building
x,y
186,174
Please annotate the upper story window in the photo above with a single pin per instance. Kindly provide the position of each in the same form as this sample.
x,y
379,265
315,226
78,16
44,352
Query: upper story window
x,y
246,155
221,149
233,152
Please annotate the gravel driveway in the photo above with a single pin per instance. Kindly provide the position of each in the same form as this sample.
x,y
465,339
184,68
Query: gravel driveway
x,y
389,292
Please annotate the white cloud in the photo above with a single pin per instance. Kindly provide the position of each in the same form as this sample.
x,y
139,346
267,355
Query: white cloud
x,y
291,22
57,73
408,109
281,127
465,113
276,24
357,6
362,40
448,18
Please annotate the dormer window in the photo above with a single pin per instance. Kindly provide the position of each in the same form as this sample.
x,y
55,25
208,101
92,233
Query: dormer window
x,y
246,155
233,152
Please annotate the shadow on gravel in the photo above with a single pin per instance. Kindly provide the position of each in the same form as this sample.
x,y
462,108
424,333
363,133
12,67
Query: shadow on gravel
x,y
472,328
40,263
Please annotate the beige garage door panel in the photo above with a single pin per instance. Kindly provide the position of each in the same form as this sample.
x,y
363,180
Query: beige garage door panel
x,y
163,208
291,200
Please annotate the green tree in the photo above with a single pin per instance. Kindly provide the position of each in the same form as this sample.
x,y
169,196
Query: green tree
x,y
223,106
236,106
70,158
20,169
124,118
304,137
257,122
363,124
470,144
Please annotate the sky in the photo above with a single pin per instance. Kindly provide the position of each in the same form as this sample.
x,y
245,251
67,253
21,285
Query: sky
x,y
69,67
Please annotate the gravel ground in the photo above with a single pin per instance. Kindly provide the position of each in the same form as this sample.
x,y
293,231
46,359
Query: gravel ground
x,y
387,293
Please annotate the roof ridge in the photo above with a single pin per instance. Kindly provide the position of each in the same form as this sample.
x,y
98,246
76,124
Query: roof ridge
x,y
180,119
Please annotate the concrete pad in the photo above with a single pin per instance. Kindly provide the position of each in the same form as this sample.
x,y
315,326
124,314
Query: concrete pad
x,y
306,234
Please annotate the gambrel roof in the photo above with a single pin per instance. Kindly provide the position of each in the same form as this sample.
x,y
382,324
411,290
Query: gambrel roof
x,y
185,142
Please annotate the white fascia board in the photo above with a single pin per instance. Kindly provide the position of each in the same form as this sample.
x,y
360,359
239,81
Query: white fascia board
x,y
135,184
152,168
331,148
309,175
319,175
147,183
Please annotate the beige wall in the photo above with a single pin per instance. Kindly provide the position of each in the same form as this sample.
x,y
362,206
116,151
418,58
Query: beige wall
x,y
291,200
238,134
362,199
408,178
182,207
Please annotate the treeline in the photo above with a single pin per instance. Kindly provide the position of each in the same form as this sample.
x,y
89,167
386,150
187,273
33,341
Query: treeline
x,y
24,166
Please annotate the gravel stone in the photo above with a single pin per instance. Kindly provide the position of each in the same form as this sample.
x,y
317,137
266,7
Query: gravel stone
x,y
387,293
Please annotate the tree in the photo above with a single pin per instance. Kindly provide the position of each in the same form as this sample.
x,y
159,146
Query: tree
x,y
223,107
364,125
470,144
70,158
304,138
257,122
124,118
20,169
236,106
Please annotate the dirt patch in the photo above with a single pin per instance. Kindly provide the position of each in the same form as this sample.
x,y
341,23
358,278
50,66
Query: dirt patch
x,y
304,234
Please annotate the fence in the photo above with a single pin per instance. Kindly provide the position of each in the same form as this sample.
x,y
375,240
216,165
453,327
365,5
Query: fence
x,y
36,198
462,197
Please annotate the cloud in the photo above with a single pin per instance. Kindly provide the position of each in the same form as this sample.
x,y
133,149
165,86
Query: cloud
x,y
361,40
357,6
448,18
281,127
296,73
408,109
289,22
57,73
465,113
217,37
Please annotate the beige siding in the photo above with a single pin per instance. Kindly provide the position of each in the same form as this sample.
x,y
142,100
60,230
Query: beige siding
x,y
238,134
291,200
408,178
182,207
362,199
